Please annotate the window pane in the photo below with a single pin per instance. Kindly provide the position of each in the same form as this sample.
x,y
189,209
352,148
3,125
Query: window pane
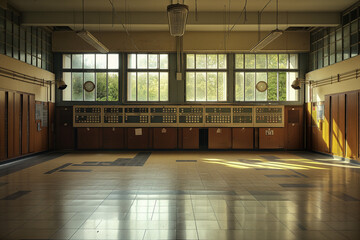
x,y
190,86
142,61
283,61
113,61
164,61
132,61
89,61
100,86
222,61
239,86
222,90
153,61
200,61
249,86
142,88
153,86
164,86
132,86
77,61
66,93
282,86
100,61
261,96
67,61
211,86
211,61
200,86
113,86
292,94
239,61
250,61
261,61
273,61
89,96
77,86
272,86
190,61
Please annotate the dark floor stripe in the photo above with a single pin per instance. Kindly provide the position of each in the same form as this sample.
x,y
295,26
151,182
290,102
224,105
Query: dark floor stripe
x,y
27,162
294,185
170,192
281,176
345,197
298,173
139,160
75,170
58,168
16,195
186,160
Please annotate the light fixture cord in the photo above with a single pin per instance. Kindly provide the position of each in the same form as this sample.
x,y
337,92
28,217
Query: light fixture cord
x,y
83,14
277,14
238,19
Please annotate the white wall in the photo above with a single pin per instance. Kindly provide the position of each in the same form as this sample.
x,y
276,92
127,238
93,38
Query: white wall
x,y
332,71
42,93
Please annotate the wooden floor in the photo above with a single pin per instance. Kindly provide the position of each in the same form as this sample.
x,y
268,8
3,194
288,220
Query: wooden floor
x,y
180,195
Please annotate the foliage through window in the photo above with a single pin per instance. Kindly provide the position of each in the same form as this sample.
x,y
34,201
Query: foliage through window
x,y
206,77
148,77
277,70
101,69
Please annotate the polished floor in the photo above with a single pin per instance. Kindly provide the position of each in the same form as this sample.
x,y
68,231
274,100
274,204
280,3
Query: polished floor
x,y
180,195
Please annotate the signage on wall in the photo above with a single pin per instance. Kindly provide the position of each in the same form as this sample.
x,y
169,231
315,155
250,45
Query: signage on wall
x,y
320,114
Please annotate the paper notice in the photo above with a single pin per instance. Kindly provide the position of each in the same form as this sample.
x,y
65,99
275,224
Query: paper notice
x,y
138,131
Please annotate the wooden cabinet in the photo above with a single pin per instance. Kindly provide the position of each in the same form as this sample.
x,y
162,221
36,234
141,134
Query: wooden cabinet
x,y
352,108
64,131
164,138
294,127
219,138
243,138
338,125
138,138
271,138
113,138
190,138
89,138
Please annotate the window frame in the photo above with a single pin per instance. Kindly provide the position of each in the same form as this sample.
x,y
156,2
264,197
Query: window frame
x,y
136,70
207,70
264,70
95,71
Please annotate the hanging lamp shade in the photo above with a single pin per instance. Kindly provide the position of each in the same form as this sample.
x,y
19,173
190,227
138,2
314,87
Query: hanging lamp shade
x,y
177,16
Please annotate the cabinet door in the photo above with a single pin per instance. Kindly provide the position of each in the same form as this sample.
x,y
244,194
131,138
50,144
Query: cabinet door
x,y
112,138
351,125
64,131
165,138
219,138
190,139
138,138
89,138
294,127
243,138
271,138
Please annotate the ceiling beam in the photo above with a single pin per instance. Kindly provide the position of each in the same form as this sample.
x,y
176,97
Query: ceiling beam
x,y
218,21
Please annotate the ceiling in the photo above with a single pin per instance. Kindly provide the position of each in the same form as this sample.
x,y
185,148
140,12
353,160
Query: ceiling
x,y
150,15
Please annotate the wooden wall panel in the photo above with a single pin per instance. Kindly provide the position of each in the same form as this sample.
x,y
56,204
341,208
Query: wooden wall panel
x,y
164,138
219,138
243,138
25,124
112,138
3,131
190,138
352,125
326,125
334,125
308,127
89,138
138,141
64,131
10,136
294,128
342,114
32,124
275,141
51,126
17,125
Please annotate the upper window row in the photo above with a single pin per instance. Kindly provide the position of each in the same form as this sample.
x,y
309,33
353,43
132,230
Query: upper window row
x,y
266,61
91,61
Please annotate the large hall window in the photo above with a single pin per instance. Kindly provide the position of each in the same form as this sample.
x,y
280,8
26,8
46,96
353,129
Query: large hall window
x,y
91,77
276,70
206,77
148,77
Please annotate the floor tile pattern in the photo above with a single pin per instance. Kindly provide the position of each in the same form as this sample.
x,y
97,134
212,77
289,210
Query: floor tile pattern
x,y
207,195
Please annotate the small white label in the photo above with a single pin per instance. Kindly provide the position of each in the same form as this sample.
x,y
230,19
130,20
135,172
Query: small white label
x,y
138,131
163,130
218,130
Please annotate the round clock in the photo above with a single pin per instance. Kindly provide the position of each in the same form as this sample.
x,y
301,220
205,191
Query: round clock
x,y
89,86
261,86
